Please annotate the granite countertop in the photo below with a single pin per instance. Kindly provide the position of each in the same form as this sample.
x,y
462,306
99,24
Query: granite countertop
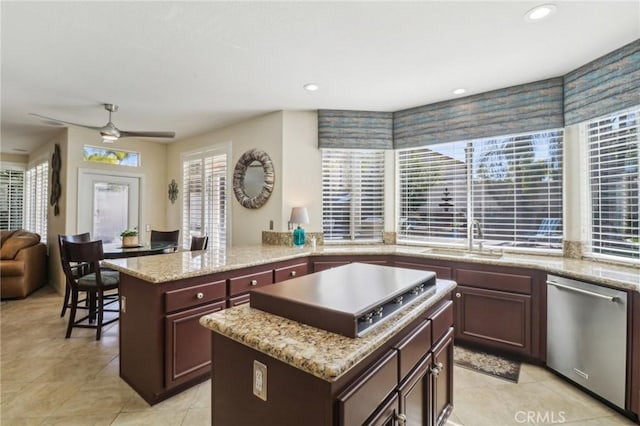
x,y
186,264
318,352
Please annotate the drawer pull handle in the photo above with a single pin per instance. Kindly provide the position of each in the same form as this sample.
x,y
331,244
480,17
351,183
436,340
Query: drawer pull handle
x,y
199,295
401,418
435,371
293,273
458,295
439,365
254,282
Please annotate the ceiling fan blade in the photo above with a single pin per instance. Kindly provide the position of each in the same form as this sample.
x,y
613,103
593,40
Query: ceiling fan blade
x,y
65,122
142,134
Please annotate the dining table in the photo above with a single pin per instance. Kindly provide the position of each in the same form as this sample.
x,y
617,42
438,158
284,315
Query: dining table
x,y
117,250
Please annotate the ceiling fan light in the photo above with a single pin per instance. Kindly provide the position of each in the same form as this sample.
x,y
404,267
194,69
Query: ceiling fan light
x,y
109,138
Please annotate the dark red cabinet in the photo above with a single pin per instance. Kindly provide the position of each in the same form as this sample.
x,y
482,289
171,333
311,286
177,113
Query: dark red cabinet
x,y
188,344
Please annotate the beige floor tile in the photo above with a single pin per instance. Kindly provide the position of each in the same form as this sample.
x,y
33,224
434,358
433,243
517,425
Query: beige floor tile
x,y
38,399
203,397
482,406
197,417
464,378
22,421
104,395
104,419
156,418
615,420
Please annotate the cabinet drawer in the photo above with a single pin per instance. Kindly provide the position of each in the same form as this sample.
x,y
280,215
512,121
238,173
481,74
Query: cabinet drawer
x,y
246,283
494,280
194,296
358,402
441,320
322,265
238,300
293,271
413,348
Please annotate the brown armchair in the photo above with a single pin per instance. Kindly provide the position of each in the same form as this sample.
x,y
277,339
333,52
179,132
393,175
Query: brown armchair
x,y
23,263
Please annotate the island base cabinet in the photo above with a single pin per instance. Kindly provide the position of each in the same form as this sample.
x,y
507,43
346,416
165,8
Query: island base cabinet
x,y
415,395
188,345
442,372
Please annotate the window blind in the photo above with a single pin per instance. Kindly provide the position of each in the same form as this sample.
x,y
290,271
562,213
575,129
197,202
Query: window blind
x,y
204,209
352,195
36,199
11,198
517,189
613,179
512,185
432,187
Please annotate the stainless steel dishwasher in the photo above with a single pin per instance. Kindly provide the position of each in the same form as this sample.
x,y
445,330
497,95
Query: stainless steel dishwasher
x,y
587,336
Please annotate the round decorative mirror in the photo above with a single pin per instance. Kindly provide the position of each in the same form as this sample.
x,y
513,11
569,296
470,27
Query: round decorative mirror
x,y
253,179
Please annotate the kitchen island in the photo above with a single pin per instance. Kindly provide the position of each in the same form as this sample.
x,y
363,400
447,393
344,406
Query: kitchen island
x,y
274,370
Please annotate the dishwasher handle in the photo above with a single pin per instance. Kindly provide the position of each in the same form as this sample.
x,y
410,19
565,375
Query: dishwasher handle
x,y
579,290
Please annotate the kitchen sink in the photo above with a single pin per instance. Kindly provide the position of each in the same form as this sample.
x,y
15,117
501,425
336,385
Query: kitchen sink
x,y
488,254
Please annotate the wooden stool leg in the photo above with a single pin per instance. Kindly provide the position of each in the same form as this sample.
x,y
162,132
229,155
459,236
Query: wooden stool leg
x,y
72,313
100,296
67,292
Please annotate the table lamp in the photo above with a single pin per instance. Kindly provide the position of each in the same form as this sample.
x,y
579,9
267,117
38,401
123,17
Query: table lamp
x,y
299,215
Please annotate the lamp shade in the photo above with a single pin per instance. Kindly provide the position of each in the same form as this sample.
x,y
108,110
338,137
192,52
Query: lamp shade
x,y
299,215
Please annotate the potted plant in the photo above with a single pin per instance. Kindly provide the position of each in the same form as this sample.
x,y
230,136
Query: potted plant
x,y
129,238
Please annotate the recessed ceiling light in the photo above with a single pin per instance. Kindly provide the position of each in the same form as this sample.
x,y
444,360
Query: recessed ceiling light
x,y
540,12
311,87
459,91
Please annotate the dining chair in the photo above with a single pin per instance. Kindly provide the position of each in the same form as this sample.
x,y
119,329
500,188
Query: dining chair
x,y
84,237
97,284
199,243
165,237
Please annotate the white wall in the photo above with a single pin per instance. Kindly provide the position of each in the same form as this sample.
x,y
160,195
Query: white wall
x,y
302,169
263,132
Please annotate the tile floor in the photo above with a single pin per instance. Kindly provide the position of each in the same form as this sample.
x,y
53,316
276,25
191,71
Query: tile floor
x,y
46,379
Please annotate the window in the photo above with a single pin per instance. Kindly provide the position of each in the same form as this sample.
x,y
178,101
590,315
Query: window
x,y
36,199
11,198
111,156
352,195
613,179
513,186
204,209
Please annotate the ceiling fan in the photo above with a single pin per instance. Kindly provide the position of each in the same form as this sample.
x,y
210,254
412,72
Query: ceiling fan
x,y
109,132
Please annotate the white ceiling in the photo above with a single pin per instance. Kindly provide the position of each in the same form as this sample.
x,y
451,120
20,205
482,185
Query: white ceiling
x,y
192,67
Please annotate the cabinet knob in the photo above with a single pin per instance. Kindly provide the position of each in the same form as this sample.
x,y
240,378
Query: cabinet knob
x,y
458,295
254,282
435,371
199,295
293,273
401,418
439,365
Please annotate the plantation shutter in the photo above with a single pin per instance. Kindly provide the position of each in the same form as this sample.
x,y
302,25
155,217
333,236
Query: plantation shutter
x,y
204,210
36,199
11,198
352,195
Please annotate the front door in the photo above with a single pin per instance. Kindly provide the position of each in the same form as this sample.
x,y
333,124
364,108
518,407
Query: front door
x,y
108,203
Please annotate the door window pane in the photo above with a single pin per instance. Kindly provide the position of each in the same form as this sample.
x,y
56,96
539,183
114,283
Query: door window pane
x,y
110,211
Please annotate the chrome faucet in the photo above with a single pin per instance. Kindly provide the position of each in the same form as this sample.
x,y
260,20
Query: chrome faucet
x,y
475,222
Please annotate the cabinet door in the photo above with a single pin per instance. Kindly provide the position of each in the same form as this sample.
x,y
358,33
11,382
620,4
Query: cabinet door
x,y
415,395
387,414
188,345
497,319
443,379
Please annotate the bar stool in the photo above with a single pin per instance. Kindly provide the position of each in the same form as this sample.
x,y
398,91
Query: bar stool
x,y
199,243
